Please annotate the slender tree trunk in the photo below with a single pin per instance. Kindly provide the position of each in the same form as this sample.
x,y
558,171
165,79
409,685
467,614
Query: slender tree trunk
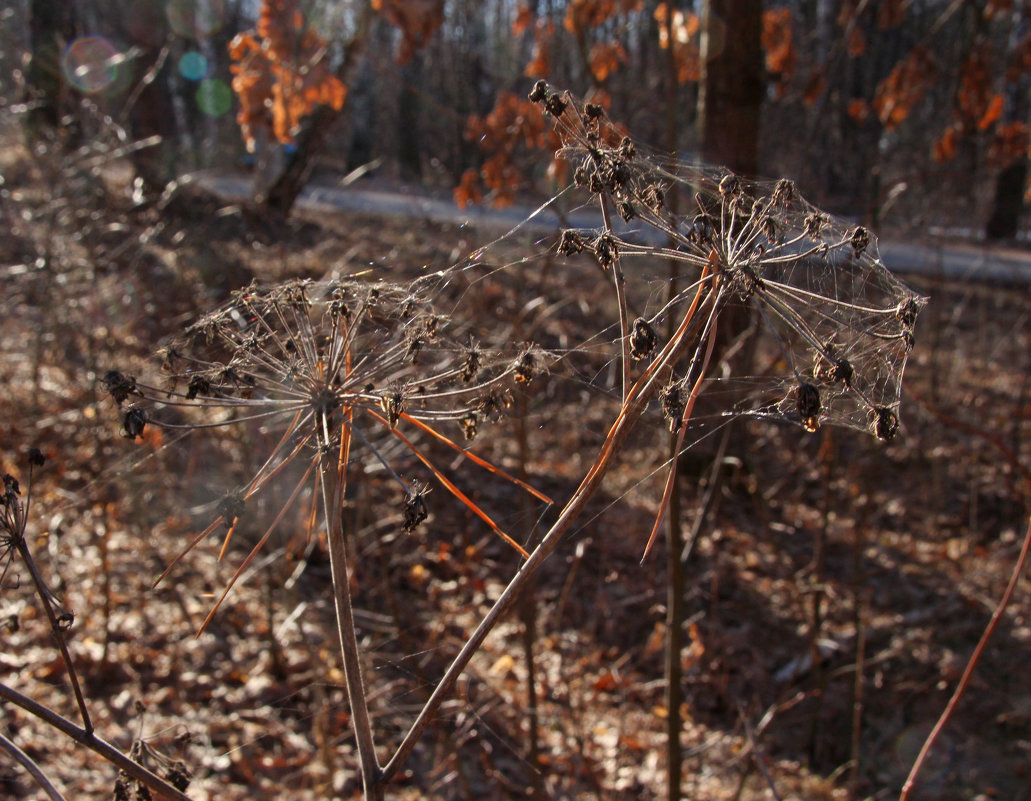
x,y
285,189
1004,221
51,27
731,85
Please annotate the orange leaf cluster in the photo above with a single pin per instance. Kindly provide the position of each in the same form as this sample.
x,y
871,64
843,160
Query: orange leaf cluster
x,y
891,13
1010,143
905,86
974,98
513,123
681,31
523,19
417,20
778,43
540,59
946,147
855,43
280,73
584,14
605,59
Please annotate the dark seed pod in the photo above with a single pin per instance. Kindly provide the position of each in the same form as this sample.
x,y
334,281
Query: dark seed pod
x,y
571,243
886,423
642,340
119,385
470,424
231,508
814,225
808,405
860,240
36,457
605,250
555,105
539,92
415,510
198,386
672,399
784,191
134,423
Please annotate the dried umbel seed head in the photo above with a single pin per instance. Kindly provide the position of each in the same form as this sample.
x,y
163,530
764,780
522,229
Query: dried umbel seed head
x,y
605,251
592,111
886,424
626,210
860,240
539,92
472,363
393,405
642,340
814,225
808,405
653,196
526,367
907,312
701,229
36,457
470,425
571,243
494,403
555,105
178,775
198,386
784,191
672,399
119,385
415,509
231,508
833,372
730,185
134,423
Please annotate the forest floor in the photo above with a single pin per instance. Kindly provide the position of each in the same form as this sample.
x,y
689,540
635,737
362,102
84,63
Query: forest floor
x,y
837,587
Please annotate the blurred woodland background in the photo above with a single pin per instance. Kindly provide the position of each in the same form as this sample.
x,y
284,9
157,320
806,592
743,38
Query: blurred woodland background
x,y
909,113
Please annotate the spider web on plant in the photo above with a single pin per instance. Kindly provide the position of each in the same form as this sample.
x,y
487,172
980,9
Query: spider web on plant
x,y
839,325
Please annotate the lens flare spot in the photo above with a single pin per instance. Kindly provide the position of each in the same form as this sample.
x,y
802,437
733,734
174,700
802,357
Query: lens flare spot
x,y
193,66
196,19
90,64
214,97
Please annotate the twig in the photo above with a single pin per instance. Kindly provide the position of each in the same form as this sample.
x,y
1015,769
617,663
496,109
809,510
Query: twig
x,y
633,407
964,680
90,740
31,767
46,599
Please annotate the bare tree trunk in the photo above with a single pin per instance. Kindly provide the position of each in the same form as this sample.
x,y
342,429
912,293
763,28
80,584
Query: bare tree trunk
x,y
731,85
51,27
284,190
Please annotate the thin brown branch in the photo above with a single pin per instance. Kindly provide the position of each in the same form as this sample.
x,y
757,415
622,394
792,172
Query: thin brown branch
x,y
964,680
89,740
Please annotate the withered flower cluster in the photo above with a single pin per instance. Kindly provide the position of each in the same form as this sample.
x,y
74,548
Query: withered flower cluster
x,y
324,366
843,324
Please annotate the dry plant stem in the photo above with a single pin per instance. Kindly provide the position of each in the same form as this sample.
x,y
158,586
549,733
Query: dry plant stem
x,y
89,740
617,279
331,498
964,680
633,406
44,598
31,768
674,640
